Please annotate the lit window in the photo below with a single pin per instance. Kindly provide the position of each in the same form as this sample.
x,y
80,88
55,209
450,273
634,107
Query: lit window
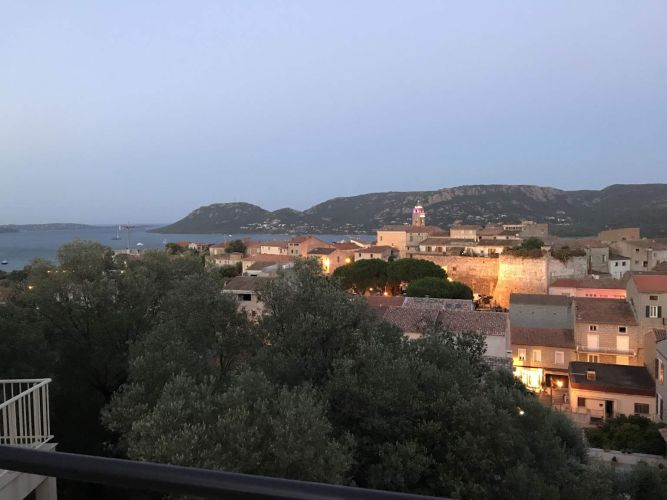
x,y
522,354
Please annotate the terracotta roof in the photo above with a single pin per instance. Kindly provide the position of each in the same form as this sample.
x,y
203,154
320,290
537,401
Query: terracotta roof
x,y
647,283
274,243
606,283
436,240
410,319
548,337
245,284
609,311
260,266
376,249
539,299
346,246
660,334
442,304
615,256
621,379
661,267
263,257
482,322
321,251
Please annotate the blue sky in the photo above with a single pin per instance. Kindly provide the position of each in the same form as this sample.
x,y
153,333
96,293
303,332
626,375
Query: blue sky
x,y
144,110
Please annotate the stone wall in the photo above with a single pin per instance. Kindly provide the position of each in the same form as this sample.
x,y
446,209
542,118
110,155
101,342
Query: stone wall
x,y
499,277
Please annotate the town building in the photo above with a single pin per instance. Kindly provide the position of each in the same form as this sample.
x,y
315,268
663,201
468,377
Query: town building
x,y
604,391
644,254
277,247
383,252
248,261
465,232
331,258
246,290
618,265
541,311
660,336
602,288
541,356
299,246
606,331
621,234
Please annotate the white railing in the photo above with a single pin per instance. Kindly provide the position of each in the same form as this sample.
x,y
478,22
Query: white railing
x,y
24,412
606,350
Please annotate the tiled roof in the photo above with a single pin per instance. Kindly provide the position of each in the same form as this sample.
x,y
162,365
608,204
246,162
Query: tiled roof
x,y
245,284
482,322
615,256
409,319
376,249
660,334
346,246
465,227
275,243
436,240
265,257
443,304
622,379
321,251
539,299
548,337
606,283
609,311
647,283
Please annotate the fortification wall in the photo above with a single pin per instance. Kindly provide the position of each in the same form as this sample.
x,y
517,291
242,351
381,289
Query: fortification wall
x,y
479,273
502,276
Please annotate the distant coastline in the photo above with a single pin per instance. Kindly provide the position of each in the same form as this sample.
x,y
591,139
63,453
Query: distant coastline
x,y
56,226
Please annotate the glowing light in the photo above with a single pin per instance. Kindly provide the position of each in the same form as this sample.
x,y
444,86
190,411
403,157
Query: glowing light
x,y
559,383
348,260
450,279
30,287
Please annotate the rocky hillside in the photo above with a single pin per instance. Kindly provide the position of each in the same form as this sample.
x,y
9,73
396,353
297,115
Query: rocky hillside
x,y
570,213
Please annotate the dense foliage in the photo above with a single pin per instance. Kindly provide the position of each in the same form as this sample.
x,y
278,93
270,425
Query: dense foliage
x,y
150,361
438,288
632,433
236,246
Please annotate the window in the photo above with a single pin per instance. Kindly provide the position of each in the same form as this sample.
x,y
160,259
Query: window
x,y
622,329
652,297
623,263
592,328
654,311
615,264
593,358
641,408
581,402
593,341
645,263
537,356
245,297
522,354
380,238
559,358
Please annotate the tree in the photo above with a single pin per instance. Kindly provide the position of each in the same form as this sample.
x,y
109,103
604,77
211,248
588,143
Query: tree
x,y
362,275
407,270
532,243
236,246
438,288
634,433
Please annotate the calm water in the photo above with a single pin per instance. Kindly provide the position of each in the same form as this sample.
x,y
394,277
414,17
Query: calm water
x,y
20,248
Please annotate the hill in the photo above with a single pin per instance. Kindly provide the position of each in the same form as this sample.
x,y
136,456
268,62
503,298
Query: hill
x,y
570,213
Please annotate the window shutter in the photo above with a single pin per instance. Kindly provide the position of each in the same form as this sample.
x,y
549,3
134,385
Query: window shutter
x,y
655,369
659,311
648,311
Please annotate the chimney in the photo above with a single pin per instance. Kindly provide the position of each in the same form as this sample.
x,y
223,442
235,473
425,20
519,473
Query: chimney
x,y
590,374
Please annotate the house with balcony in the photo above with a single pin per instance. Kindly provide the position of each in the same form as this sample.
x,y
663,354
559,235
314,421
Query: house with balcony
x,y
601,390
606,331
541,356
25,423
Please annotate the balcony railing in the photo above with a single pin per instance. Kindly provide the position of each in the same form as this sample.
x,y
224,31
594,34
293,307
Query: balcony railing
x,y
24,412
606,350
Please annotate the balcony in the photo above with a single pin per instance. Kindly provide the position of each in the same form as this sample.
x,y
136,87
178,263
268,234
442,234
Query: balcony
x,y
25,423
606,350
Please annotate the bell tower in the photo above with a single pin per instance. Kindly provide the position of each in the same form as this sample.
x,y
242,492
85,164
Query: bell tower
x,y
418,216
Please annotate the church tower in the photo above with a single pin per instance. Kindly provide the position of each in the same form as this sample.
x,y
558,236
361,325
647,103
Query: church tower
x,y
418,216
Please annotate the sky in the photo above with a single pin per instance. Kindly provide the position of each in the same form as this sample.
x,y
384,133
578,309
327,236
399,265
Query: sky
x,y
141,111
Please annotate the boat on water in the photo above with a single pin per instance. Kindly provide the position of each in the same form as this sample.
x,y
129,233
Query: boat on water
x,y
117,237
4,262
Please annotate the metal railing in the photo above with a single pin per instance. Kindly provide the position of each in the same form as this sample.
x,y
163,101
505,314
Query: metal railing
x,y
24,412
178,480
606,350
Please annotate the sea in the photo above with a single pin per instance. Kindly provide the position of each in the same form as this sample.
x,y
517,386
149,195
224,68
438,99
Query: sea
x,y
18,249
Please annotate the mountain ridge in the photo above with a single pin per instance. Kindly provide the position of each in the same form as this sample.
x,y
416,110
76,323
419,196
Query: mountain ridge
x,y
569,213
